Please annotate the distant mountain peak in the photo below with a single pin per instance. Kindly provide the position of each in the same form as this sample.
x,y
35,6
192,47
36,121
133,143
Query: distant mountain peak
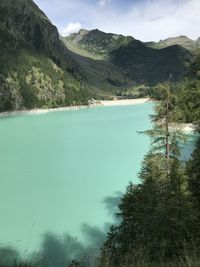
x,y
82,32
97,42
181,40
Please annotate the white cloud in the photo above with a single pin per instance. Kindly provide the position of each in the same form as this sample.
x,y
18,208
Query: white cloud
x,y
71,28
103,3
145,20
152,20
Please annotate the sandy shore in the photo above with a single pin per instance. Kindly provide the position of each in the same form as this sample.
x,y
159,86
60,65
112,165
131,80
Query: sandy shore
x,y
185,127
40,111
124,102
188,127
93,104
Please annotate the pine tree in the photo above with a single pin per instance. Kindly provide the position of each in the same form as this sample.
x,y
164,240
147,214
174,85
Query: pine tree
x,y
156,214
193,172
10,93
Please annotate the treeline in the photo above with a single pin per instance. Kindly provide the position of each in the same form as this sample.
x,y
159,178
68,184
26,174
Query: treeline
x,y
160,216
185,100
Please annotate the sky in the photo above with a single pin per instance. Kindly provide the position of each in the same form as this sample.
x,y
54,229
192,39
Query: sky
x,y
147,20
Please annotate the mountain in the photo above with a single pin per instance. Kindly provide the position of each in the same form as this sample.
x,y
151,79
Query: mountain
x,y
97,43
198,43
37,70
91,50
182,40
41,69
145,64
139,62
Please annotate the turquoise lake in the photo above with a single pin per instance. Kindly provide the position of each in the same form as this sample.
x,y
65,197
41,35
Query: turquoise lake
x,y
63,172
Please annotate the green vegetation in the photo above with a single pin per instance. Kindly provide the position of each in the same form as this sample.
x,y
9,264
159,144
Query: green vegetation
x,y
182,40
135,60
186,94
36,71
151,66
30,80
160,216
98,44
103,77
41,69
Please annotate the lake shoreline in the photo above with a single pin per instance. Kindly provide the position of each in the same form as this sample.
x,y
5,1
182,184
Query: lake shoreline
x,y
125,102
185,127
94,103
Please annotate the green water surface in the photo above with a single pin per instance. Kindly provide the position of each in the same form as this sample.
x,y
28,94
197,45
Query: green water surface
x,y
57,170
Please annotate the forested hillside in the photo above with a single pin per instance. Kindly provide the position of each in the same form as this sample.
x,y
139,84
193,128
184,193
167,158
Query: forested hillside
x,y
36,68
151,66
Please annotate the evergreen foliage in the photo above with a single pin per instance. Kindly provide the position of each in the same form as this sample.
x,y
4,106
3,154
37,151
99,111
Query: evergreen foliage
x,y
30,80
160,215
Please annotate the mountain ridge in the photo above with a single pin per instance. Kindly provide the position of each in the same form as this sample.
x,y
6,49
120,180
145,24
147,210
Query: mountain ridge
x,y
137,59
37,69
40,69
182,40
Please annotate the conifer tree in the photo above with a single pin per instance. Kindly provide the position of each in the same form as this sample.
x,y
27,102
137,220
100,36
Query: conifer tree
x,y
156,214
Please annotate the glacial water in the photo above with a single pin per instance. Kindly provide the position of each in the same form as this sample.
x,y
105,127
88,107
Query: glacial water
x,y
63,172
